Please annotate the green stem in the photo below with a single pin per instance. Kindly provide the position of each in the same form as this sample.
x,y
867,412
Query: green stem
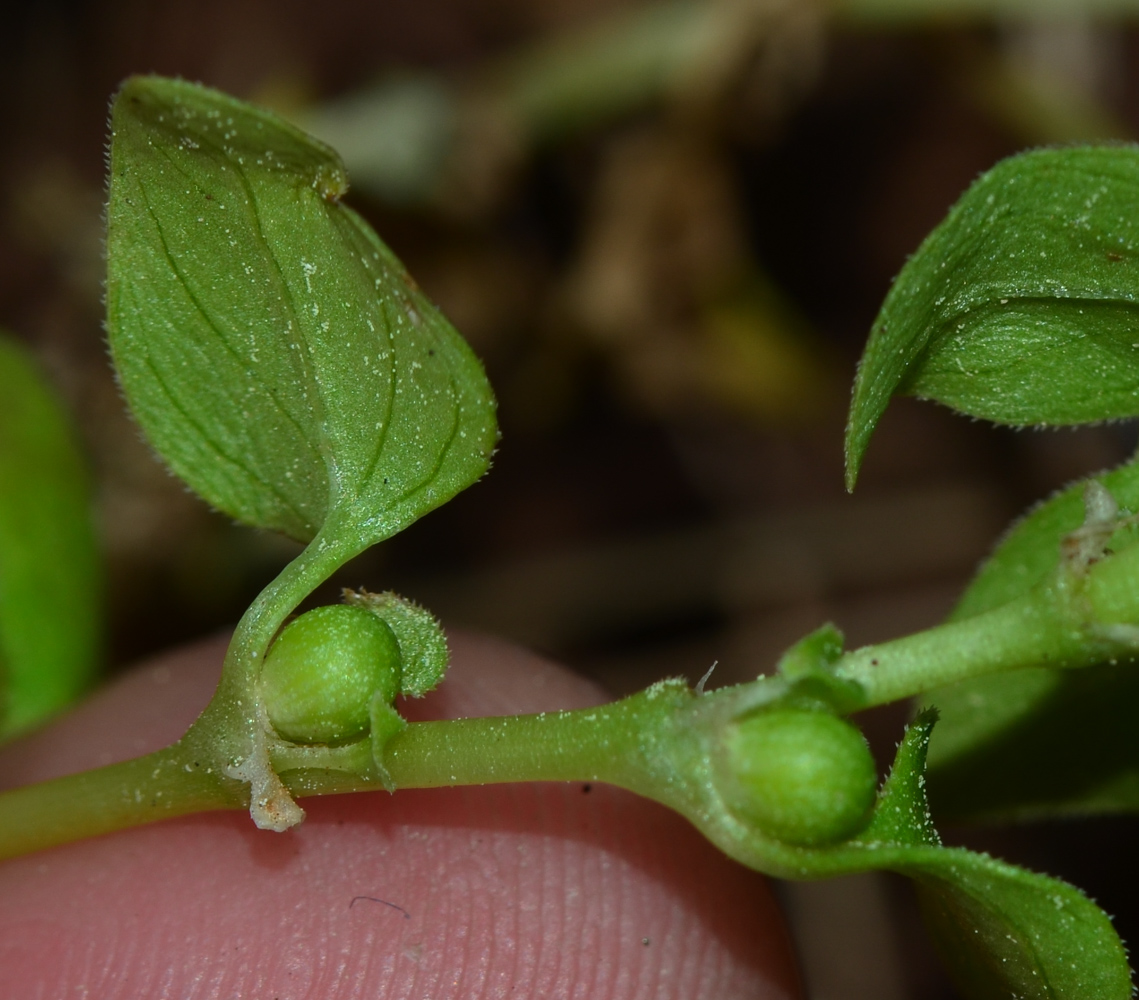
x,y
596,744
654,743
1065,623
631,743
1016,635
157,786
265,615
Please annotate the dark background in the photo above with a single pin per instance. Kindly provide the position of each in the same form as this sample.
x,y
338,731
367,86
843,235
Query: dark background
x,y
670,294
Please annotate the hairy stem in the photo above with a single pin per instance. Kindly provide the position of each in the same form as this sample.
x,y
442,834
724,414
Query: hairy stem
x,y
232,730
596,744
157,786
1071,620
627,743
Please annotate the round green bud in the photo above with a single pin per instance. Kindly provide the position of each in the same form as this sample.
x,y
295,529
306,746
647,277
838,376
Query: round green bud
x,y
320,675
804,777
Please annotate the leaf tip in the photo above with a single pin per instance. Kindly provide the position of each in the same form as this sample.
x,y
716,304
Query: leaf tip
x,y
853,450
331,182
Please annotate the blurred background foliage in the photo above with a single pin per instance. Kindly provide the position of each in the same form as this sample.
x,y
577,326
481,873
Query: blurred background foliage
x,y
666,227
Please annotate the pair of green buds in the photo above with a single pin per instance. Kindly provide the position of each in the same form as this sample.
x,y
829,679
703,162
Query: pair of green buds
x,y
801,775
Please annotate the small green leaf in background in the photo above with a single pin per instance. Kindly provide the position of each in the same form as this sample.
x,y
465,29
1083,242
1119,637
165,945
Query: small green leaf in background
x,y
1031,548
1037,742
1022,307
273,349
50,579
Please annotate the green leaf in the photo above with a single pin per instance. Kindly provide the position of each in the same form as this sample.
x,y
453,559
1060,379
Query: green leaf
x,y
1030,551
1006,932
1022,306
816,652
1038,742
808,668
273,349
901,816
1002,931
50,580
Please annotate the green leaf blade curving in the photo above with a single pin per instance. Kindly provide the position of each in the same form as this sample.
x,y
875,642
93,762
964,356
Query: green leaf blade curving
x,y
273,349
1021,306
1030,550
1006,932
1002,931
50,574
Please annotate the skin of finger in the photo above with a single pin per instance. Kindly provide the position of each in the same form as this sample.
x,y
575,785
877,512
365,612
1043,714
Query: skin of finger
x,y
539,890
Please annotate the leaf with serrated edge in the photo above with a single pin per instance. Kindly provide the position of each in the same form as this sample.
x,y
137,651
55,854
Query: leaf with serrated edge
x,y
50,580
273,349
1022,306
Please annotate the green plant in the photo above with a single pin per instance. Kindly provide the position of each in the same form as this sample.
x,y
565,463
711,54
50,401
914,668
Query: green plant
x,y
286,367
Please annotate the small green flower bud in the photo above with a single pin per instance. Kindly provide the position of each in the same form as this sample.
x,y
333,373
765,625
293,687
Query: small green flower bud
x,y
803,777
321,674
